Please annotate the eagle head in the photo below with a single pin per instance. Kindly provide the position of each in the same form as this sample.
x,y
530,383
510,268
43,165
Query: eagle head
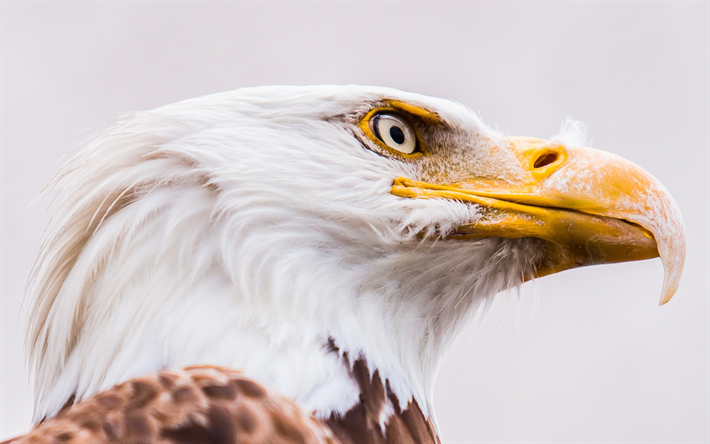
x,y
290,232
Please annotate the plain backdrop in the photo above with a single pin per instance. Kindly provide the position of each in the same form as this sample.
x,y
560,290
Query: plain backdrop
x,y
583,356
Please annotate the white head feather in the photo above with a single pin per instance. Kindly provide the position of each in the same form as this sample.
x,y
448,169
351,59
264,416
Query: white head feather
x,y
245,229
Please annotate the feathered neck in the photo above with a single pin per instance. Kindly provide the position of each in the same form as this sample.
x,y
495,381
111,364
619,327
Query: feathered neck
x,y
165,282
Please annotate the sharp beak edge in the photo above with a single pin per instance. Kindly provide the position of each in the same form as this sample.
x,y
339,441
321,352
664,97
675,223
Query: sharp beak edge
x,y
590,206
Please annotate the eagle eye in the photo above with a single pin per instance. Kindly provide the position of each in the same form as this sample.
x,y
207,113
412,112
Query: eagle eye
x,y
395,132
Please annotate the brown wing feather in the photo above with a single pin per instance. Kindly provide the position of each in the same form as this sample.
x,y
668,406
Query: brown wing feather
x,y
193,405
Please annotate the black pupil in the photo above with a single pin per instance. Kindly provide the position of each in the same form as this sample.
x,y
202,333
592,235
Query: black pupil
x,y
397,135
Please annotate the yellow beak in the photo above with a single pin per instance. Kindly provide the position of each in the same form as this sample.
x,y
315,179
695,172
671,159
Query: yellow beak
x,y
591,207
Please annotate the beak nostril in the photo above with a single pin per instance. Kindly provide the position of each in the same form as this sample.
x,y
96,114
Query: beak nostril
x,y
545,160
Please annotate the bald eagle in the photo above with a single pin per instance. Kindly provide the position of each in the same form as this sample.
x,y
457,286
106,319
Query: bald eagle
x,y
291,264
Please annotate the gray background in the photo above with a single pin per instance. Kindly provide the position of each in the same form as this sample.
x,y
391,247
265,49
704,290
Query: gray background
x,y
586,355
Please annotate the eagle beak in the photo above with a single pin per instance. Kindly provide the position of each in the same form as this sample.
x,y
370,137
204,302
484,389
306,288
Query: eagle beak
x,y
589,206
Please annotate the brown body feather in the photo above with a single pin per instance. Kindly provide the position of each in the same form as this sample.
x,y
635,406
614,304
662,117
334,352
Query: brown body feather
x,y
194,405
213,405
361,424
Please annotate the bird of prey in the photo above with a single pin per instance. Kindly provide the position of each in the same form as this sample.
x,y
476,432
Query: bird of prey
x,y
292,264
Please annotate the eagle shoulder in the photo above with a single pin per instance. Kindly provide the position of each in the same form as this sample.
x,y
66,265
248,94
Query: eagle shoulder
x,y
192,405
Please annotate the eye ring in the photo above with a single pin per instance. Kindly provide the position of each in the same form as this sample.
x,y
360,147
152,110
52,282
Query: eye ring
x,y
401,112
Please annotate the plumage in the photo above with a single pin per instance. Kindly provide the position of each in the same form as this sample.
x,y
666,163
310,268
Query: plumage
x,y
192,405
276,232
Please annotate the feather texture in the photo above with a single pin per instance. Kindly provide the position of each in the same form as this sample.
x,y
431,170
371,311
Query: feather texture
x,y
197,405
